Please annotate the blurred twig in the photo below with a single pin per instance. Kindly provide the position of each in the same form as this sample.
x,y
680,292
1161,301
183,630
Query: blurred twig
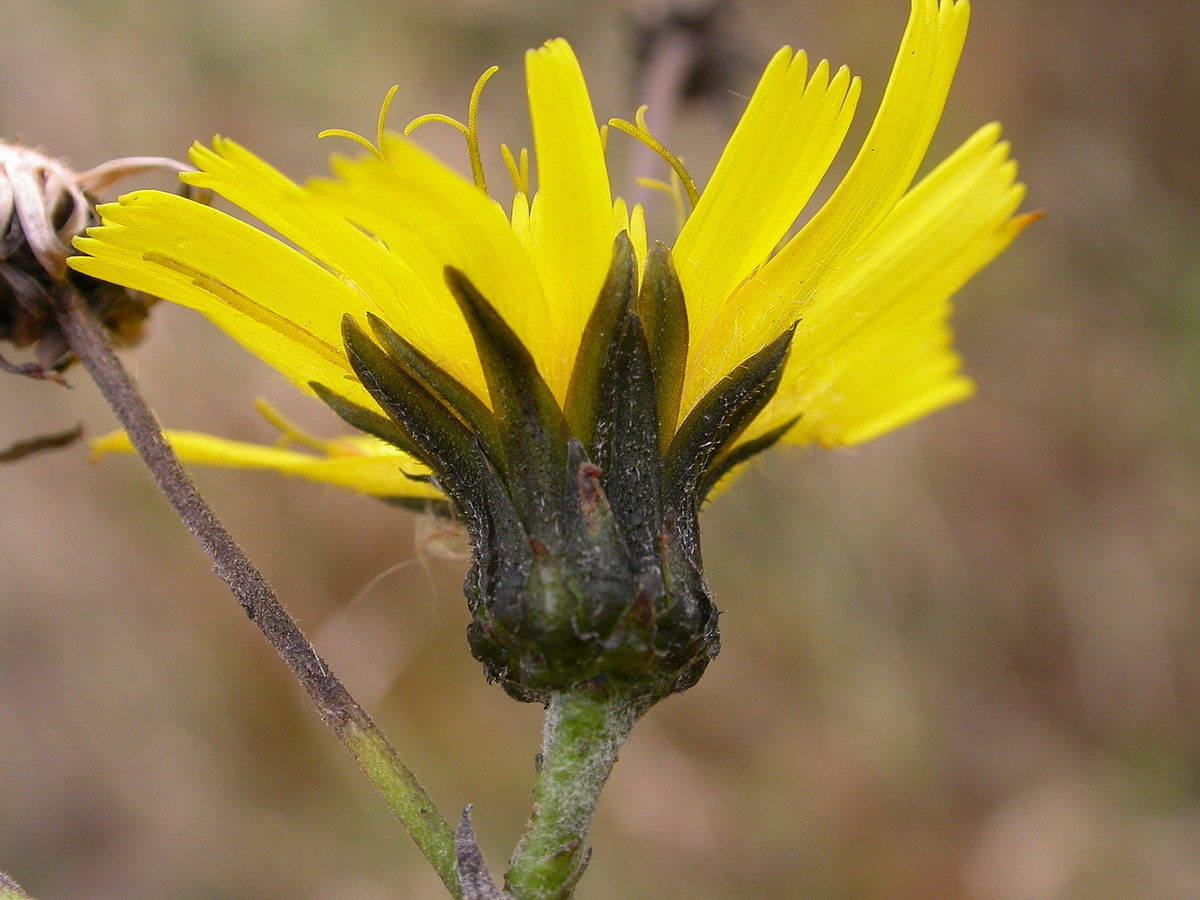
x,y
349,721
681,56
21,449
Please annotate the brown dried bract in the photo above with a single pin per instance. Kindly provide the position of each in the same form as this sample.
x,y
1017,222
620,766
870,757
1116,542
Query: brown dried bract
x,y
44,205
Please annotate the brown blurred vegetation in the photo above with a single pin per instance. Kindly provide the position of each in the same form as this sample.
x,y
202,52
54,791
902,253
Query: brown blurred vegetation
x,y
961,662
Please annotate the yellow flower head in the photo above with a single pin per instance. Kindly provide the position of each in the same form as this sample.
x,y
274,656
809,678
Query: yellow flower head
x,y
534,365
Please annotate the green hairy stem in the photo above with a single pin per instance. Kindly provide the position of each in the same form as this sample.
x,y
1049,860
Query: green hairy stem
x,y
9,890
585,729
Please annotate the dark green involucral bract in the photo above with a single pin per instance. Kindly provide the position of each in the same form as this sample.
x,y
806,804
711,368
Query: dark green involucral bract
x,y
583,520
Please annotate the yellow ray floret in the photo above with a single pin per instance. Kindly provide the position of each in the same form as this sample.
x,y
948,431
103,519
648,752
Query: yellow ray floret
x,y
779,153
573,229
752,315
873,350
389,287
867,280
147,245
363,464
431,218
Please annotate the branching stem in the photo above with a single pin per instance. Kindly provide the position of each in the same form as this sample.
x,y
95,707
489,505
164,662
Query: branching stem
x,y
349,721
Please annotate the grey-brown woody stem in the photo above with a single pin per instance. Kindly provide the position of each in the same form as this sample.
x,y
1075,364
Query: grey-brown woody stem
x,y
349,721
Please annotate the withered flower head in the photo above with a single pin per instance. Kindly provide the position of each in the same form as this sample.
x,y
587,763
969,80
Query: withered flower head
x,y
44,205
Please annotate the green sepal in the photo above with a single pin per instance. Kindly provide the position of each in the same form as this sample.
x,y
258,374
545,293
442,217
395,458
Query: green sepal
x,y
628,442
457,398
440,509
533,430
740,453
497,586
663,312
688,636
365,419
440,438
599,341
601,569
721,416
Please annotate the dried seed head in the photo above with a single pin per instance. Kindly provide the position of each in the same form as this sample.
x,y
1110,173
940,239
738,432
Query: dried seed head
x,y
44,205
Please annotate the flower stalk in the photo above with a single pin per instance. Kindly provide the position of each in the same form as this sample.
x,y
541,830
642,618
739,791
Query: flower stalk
x,y
584,731
349,721
10,890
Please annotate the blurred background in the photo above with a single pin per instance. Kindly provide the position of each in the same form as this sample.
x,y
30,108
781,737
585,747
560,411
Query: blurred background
x,y
960,662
